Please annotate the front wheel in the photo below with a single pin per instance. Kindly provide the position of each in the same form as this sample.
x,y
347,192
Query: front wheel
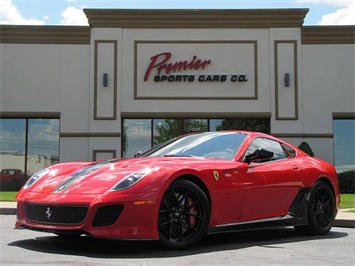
x,y
321,210
184,215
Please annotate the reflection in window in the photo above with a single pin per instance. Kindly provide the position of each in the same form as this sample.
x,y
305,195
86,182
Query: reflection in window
x,y
195,125
344,145
165,129
43,143
136,136
251,124
28,145
12,144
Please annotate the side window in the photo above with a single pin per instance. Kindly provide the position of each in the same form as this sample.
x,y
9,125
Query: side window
x,y
291,152
269,145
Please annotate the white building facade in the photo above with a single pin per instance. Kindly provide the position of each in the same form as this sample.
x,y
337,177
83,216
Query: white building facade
x,y
118,85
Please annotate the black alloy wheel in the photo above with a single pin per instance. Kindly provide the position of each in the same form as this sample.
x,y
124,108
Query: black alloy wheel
x,y
321,210
184,215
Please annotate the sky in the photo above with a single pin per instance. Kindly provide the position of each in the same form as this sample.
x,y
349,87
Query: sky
x,y
70,12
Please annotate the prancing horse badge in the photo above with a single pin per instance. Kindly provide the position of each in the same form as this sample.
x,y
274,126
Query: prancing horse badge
x,y
216,175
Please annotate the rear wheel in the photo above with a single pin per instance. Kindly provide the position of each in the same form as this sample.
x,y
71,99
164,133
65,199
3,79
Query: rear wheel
x,y
184,215
321,210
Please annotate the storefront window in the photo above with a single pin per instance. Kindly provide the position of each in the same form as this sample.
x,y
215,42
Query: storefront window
x,y
12,145
252,124
43,143
142,134
136,136
26,146
344,145
165,129
195,125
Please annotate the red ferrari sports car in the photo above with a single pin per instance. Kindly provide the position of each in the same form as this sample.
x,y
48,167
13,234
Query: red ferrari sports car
x,y
183,189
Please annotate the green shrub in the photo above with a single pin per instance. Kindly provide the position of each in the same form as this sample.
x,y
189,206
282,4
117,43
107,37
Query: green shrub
x,y
304,146
11,185
347,182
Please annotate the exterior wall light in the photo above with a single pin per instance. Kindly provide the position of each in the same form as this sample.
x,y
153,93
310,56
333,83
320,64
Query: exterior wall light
x,y
105,80
287,79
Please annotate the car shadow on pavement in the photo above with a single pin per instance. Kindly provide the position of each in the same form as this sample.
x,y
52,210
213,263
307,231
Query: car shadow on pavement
x,y
106,248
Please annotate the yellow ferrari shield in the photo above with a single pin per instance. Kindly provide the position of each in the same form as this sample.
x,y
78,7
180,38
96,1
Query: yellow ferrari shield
x,y
216,175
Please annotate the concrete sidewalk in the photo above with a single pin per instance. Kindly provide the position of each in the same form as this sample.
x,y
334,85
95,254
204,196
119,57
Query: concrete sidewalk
x,y
345,218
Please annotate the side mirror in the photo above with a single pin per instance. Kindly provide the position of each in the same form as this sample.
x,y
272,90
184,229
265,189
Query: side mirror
x,y
259,154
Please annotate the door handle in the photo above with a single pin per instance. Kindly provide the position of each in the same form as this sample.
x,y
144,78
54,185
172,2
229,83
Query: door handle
x,y
295,167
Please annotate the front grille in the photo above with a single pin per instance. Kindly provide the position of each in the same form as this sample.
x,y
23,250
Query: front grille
x,y
54,214
107,215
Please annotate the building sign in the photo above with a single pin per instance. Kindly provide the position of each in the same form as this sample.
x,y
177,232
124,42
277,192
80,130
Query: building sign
x,y
165,70
196,70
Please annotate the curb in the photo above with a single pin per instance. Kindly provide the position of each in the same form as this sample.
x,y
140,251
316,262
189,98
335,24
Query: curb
x,y
344,223
8,211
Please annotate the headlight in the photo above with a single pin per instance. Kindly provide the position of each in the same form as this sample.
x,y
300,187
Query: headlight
x,y
131,179
36,177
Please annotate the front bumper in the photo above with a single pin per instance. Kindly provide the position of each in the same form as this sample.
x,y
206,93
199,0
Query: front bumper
x,y
116,215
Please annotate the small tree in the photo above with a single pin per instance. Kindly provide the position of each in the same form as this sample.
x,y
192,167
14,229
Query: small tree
x,y
304,146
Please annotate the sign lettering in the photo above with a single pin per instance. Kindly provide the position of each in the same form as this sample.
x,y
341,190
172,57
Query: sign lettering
x,y
163,66
160,63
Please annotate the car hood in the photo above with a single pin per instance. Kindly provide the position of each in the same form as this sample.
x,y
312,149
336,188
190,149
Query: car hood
x,y
98,178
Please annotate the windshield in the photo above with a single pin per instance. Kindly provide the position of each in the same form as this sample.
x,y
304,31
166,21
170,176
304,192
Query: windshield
x,y
223,145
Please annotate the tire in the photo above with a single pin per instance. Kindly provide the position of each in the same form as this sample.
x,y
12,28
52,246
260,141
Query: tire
x,y
184,215
321,210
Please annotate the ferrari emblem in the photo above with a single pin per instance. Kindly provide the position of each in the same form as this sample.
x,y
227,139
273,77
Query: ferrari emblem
x,y
48,213
216,175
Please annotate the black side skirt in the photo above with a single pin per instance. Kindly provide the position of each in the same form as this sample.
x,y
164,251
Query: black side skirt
x,y
296,216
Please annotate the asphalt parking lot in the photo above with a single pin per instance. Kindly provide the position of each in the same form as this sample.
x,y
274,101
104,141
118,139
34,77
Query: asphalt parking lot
x,y
272,247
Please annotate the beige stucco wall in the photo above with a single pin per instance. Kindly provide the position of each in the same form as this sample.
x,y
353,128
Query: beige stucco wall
x,y
48,78
329,87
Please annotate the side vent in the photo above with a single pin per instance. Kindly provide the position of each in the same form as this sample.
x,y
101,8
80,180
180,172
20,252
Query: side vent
x,y
299,207
107,215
